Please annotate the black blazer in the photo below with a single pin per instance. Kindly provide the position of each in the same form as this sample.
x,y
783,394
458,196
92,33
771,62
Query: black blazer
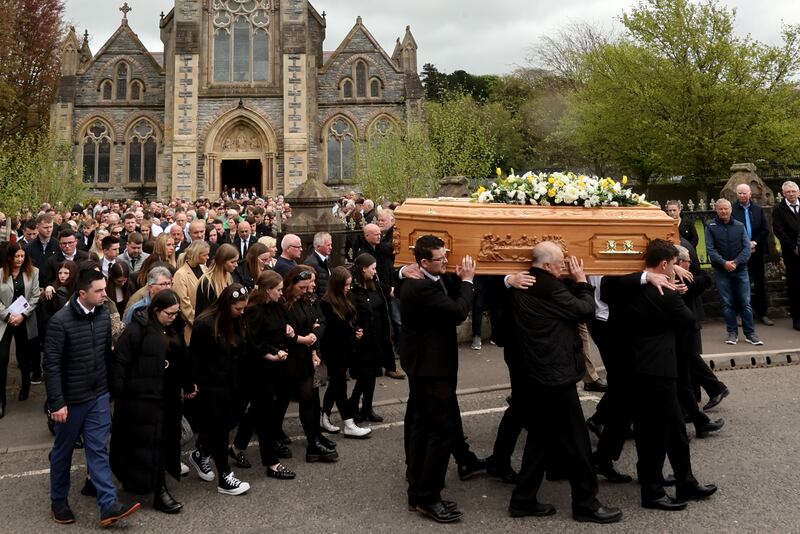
x,y
786,226
758,224
237,242
323,271
648,322
688,231
428,340
39,254
47,274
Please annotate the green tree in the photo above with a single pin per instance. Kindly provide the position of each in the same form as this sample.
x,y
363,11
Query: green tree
x,y
402,164
681,94
462,137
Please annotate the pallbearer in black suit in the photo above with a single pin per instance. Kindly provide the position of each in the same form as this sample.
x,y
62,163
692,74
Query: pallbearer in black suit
x,y
786,227
429,354
545,326
652,322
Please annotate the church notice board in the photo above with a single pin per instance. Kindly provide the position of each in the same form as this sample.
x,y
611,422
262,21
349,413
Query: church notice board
x,y
500,236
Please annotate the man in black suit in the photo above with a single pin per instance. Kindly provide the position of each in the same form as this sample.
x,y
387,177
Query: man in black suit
x,y
650,322
68,250
244,238
786,227
686,227
429,354
320,260
44,246
752,217
546,318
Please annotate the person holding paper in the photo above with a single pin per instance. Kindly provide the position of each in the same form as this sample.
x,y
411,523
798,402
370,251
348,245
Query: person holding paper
x,y
19,295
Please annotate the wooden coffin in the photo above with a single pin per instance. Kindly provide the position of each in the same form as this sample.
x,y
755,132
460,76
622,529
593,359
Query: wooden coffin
x,y
500,236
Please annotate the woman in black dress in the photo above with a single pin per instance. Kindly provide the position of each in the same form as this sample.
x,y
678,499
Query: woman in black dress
x,y
146,376
252,265
337,347
371,300
218,339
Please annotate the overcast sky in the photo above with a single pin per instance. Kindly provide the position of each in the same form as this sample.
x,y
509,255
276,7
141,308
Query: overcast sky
x,y
474,35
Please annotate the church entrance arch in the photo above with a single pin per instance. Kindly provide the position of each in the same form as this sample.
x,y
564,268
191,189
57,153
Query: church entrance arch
x,y
240,153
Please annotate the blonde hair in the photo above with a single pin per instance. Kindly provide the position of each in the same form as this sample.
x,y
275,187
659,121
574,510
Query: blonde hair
x,y
192,253
160,248
216,275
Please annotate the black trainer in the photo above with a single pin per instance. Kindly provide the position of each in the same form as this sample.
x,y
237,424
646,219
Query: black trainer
x,y
230,485
62,514
202,465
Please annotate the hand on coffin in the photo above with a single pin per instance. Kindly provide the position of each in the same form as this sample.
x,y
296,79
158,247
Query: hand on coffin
x,y
466,271
576,269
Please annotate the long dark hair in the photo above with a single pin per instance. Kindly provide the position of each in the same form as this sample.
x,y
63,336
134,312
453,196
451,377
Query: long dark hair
x,y
362,262
27,266
72,267
224,324
266,280
120,269
296,275
335,294
174,331
251,258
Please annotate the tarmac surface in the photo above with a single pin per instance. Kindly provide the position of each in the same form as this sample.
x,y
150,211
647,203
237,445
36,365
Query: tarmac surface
x,y
753,460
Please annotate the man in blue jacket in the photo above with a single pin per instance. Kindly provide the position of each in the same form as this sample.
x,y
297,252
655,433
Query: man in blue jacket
x,y
77,346
728,247
752,217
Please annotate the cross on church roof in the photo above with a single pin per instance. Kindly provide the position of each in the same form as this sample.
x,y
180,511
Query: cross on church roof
x,y
125,10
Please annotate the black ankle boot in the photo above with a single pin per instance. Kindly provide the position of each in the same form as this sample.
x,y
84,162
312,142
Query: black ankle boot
x,y
317,452
2,406
164,502
24,390
326,442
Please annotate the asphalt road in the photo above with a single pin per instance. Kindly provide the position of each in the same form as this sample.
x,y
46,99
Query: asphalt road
x,y
754,460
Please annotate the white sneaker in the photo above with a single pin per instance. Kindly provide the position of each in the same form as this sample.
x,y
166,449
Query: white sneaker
x,y
202,464
230,485
326,425
351,430
184,469
476,343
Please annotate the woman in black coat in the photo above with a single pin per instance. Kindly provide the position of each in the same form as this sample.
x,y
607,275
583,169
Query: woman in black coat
x,y
371,301
253,263
145,378
268,338
218,339
337,347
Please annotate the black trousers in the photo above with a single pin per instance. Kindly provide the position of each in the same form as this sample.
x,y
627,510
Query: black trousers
x,y
602,337
431,431
686,396
758,296
337,393
363,392
701,375
555,429
214,443
259,419
508,432
303,389
660,432
792,263
25,350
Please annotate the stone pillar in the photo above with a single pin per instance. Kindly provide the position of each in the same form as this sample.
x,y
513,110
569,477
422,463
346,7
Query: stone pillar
x,y
186,61
311,213
294,26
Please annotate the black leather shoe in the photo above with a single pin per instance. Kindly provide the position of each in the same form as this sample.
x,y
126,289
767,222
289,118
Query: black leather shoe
x,y
712,426
320,453
600,385
540,509
665,503
439,512
450,505
604,514
24,391
62,514
326,442
594,426
280,472
503,471
697,493
164,502
88,489
669,480
371,416
239,458
472,468
716,399
611,474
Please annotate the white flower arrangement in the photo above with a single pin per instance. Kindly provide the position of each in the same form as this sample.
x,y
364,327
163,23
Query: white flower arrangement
x,y
558,189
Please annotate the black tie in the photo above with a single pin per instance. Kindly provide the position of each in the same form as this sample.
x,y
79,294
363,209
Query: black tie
x,y
133,263
244,247
441,283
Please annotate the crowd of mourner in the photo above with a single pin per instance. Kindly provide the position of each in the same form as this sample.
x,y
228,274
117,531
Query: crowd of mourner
x,y
153,325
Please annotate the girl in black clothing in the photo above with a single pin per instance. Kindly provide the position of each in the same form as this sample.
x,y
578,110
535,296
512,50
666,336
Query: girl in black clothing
x,y
371,300
269,335
119,288
247,271
146,377
337,347
218,338
217,278
302,360
64,286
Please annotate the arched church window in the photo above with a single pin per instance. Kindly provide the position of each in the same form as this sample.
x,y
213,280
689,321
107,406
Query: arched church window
x,y
142,148
361,79
375,88
97,154
347,88
136,90
107,90
240,40
341,151
122,81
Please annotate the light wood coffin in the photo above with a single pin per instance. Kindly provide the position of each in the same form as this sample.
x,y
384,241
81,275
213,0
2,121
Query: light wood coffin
x,y
500,236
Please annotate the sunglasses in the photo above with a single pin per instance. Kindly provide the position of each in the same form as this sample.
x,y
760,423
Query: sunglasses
x,y
304,275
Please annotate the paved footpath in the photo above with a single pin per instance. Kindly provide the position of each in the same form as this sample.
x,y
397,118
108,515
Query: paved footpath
x,y
754,460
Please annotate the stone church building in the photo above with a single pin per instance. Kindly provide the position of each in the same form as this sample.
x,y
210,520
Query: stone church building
x,y
242,96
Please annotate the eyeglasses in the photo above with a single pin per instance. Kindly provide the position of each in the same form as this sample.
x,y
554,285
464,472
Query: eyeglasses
x,y
169,314
441,258
163,284
296,246
240,293
304,275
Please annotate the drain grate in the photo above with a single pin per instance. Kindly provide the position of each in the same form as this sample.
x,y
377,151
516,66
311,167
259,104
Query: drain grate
x,y
723,362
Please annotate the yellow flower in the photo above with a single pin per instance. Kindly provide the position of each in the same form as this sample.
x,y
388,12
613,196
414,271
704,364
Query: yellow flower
x,y
551,193
624,180
481,189
498,171
551,180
